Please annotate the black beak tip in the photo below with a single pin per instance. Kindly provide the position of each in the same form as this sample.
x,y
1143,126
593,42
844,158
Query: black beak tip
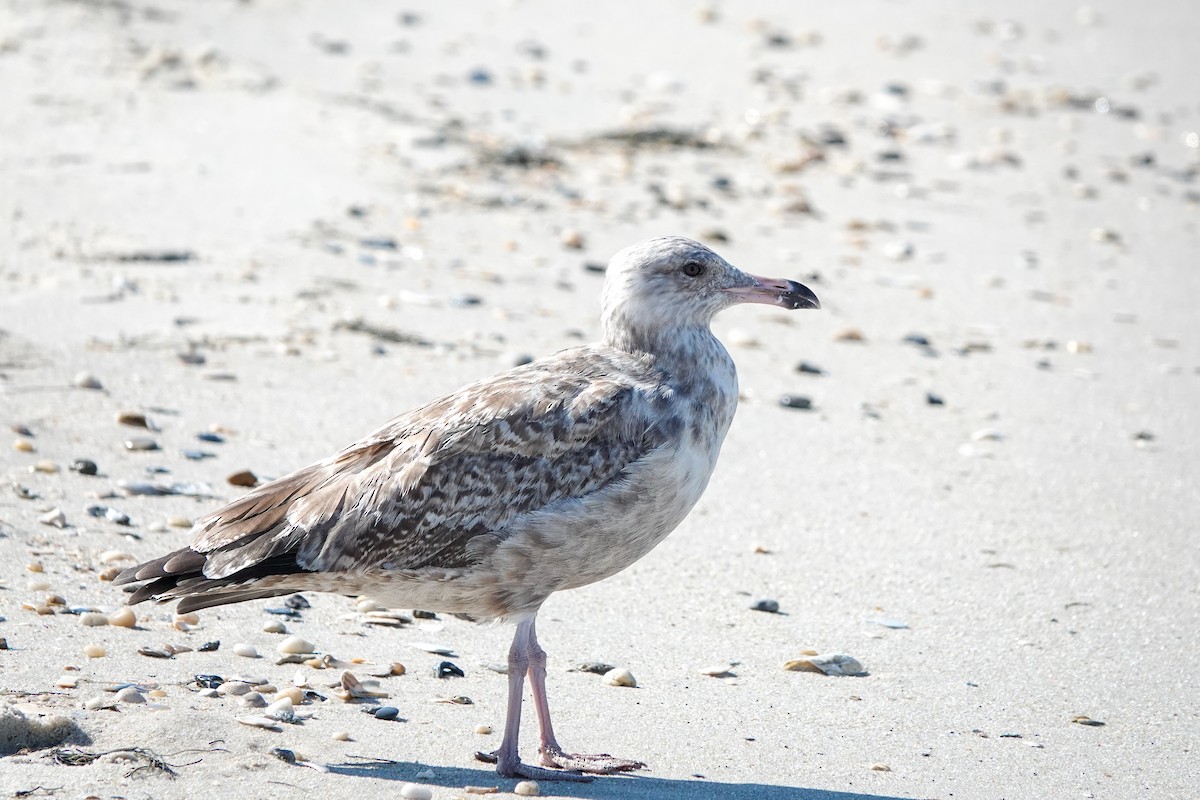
x,y
800,296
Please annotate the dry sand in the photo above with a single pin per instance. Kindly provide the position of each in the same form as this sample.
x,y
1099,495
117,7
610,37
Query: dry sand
x,y
245,183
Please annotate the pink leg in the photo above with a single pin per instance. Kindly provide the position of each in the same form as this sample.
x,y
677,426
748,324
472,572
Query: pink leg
x,y
552,755
507,758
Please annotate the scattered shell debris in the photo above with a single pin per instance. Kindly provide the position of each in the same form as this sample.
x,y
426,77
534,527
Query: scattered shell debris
x,y
826,664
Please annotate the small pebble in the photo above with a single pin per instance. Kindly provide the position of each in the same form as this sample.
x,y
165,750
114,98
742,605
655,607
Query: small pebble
x,y
809,369
620,677
341,736
234,688
93,619
86,380
46,467
254,700
386,712
134,419
179,522
293,693
212,438
84,466
141,443
246,650
275,626
94,651
483,730
934,399
767,605
796,401
23,446
527,789
572,238
415,791
243,478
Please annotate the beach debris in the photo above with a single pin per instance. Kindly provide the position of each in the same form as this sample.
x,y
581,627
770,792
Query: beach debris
x,y
259,721
766,605
878,767
86,380
55,518
527,789
93,619
448,669
415,791
620,676
434,649
889,622
141,443
826,664
22,446
594,667
296,645
246,650
130,694
808,368
134,419
1082,719
797,401
94,651
341,736
274,626
720,671
243,478
385,712
483,730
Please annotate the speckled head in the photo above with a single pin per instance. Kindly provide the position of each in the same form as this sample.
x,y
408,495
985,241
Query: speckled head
x,y
675,282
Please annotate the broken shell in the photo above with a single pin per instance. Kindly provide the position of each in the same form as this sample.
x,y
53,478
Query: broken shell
x,y
253,700
68,682
54,517
266,723
86,380
620,677
827,664
94,651
233,688
123,617
134,419
191,618
281,710
293,693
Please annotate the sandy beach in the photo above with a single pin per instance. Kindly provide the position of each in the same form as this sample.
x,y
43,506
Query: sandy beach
x,y
236,236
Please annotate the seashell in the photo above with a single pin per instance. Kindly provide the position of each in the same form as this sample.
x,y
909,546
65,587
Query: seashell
x,y
295,644
68,682
415,791
620,677
103,701
93,619
54,517
234,688
341,736
22,445
293,693
142,443
255,721
246,650
827,664
134,419
94,651
281,710
483,730
86,380
130,694
191,618
155,652
527,789
274,626
109,556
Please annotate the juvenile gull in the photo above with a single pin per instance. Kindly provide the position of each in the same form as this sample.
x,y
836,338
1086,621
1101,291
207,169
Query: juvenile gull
x,y
550,476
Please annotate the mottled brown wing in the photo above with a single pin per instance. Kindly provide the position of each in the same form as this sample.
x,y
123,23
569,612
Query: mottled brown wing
x,y
438,487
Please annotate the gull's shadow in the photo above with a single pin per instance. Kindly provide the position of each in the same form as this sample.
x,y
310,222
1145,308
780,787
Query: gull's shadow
x,y
616,787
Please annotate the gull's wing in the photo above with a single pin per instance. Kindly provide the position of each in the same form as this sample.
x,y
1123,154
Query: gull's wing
x,y
437,487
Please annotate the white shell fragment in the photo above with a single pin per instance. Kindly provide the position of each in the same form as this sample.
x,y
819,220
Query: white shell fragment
x,y
246,650
620,677
826,664
93,619
415,791
130,694
94,651
527,789
123,617
256,721
54,517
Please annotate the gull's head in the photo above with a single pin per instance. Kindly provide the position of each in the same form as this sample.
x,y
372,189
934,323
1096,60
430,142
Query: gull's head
x,y
674,282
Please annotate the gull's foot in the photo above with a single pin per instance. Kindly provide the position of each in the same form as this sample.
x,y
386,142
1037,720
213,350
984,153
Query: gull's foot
x,y
597,764
522,770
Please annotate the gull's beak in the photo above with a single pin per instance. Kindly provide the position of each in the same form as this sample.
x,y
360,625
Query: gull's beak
x,y
776,292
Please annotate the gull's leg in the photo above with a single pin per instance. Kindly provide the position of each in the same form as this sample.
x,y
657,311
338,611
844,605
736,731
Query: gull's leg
x,y
507,759
551,753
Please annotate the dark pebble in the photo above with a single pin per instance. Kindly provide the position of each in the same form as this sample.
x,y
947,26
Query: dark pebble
x,y
1143,436
934,400
379,243
385,712
208,681
96,511
480,76
465,300
193,359
297,602
797,401
766,606
721,184
283,612
595,266
195,455
418,614
243,478
215,438
918,339
209,647
283,754
84,466
809,369
447,669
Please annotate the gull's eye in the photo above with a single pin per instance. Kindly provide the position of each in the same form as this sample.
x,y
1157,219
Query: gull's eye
x,y
692,269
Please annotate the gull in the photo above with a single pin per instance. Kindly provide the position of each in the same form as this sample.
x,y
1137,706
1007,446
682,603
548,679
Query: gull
x,y
482,503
